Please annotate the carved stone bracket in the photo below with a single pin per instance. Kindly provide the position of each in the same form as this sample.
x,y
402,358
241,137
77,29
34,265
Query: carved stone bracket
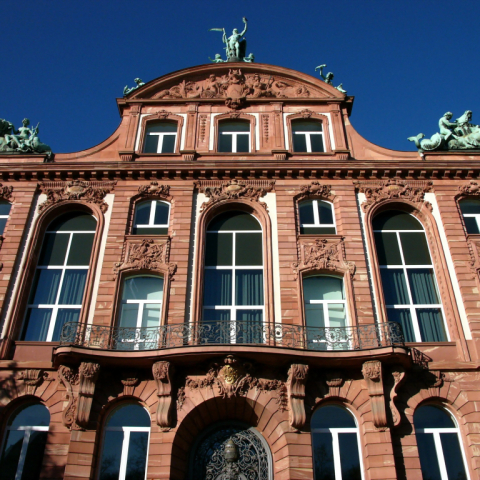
x,y
129,381
314,189
88,375
372,373
147,255
154,189
334,383
323,254
398,378
32,378
162,373
5,192
232,190
297,378
90,192
70,378
392,189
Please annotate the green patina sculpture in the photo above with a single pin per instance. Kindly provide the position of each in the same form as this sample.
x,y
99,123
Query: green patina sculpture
x,y
127,90
329,77
235,46
217,59
23,140
457,135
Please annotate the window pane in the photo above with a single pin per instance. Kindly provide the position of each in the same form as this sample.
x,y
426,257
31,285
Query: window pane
x,y
34,457
234,221
428,456
143,288
431,325
218,251
211,315
306,212
37,323
394,287
248,249
317,230
422,286
322,445
395,220
142,213
336,314
471,225
332,417
316,142
65,315
218,287
5,208
80,249
325,213
168,145
111,455
404,318
3,222
75,221
349,458
238,126
225,143
299,142
129,415
387,248
11,454
36,415
151,143
323,288
415,249
253,316
314,315
161,213
306,126
151,315
150,230
54,249
243,142
129,315
72,287
45,287
466,206
162,127
431,416
137,456
453,456
249,287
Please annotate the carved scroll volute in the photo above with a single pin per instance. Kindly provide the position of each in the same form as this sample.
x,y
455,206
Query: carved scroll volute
x,y
88,373
372,373
69,377
398,378
297,378
162,373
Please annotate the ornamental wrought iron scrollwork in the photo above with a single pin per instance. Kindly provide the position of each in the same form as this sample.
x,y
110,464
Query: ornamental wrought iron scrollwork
x,y
231,453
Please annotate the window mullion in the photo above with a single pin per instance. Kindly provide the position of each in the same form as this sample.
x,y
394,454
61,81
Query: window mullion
x,y
153,208
124,457
160,143
234,143
336,455
140,313
23,454
308,142
316,215
440,457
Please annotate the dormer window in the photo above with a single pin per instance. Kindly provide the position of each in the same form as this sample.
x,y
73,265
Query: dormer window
x,y
307,136
234,136
160,137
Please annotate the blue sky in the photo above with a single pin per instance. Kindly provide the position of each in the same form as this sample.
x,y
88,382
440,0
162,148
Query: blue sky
x,y
406,62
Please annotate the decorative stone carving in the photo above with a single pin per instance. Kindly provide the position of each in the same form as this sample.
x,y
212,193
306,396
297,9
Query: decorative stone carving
x,y
372,373
398,378
129,382
181,397
154,189
90,192
88,375
334,382
314,189
147,255
306,113
392,189
297,378
474,250
5,192
471,188
32,378
162,373
232,190
323,255
22,141
235,45
70,378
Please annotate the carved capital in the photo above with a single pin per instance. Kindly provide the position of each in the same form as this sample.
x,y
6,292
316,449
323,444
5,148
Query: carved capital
x,y
88,375
372,373
154,190
398,378
297,378
162,373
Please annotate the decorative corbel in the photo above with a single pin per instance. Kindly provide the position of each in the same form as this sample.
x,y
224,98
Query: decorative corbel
x,y
334,382
130,381
69,377
88,372
162,373
32,378
398,378
297,378
372,373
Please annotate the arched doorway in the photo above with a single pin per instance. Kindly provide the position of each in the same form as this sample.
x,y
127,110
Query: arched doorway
x,y
230,450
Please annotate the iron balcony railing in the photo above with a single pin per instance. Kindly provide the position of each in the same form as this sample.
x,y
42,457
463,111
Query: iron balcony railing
x,y
361,337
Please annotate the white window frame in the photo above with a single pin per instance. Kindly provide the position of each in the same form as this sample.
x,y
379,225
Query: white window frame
x,y
26,439
476,216
151,219
316,216
6,216
308,140
234,140
161,135
233,268
404,267
56,306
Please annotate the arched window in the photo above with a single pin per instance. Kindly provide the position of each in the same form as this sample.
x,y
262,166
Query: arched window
x,y
307,136
233,299
125,444
151,218
234,136
24,443
439,446
335,444
409,285
471,215
316,217
160,137
5,208
60,277
325,309
140,313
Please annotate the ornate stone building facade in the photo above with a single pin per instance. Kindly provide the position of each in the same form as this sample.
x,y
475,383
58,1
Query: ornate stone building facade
x,y
236,284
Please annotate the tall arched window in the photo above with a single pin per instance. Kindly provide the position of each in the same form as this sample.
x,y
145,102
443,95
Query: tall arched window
x,y
234,136
233,300
307,136
471,215
125,444
439,445
408,278
5,208
151,218
24,443
160,137
316,217
335,444
60,277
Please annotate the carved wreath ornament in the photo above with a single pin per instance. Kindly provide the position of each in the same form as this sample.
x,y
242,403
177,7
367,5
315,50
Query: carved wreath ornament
x,y
154,189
